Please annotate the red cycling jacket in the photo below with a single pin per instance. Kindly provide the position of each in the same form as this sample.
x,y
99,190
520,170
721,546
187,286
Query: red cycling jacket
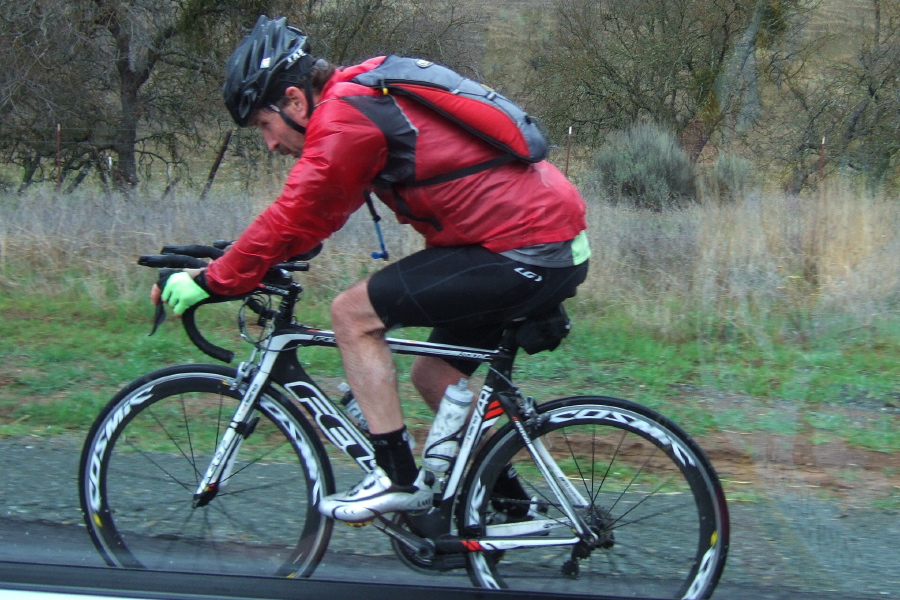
x,y
358,139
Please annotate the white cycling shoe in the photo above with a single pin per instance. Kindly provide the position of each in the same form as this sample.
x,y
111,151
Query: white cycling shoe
x,y
376,494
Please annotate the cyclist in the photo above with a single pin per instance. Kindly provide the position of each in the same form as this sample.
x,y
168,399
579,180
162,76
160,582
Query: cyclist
x,y
500,244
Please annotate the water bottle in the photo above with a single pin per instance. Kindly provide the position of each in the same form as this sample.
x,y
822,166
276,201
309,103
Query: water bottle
x,y
351,407
442,443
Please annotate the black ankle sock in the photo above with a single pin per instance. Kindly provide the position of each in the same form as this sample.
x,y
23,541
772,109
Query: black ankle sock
x,y
509,487
392,454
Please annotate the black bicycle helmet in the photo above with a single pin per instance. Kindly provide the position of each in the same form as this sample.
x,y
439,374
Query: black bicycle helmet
x,y
273,56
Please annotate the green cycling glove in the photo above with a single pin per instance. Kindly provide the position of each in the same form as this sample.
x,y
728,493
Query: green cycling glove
x,y
182,292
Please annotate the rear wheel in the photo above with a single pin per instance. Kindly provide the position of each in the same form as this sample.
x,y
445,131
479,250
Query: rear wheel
x,y
144,457
640,483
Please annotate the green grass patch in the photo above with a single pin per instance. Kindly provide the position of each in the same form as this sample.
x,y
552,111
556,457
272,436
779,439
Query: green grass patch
x,y
65,354
872,431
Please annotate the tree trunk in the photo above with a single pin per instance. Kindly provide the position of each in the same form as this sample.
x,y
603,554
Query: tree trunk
x,y
216,164
125,172
31,166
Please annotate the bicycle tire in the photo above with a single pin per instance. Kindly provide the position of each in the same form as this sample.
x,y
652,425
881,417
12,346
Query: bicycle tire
x,y
648,492
146,452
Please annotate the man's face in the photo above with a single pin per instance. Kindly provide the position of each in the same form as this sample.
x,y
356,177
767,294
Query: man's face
x,y
278,135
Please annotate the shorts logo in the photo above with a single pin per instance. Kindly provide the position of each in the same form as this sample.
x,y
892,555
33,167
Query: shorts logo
x,y
526,273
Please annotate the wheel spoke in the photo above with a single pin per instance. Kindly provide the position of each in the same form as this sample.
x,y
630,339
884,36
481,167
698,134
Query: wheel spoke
x,y
256,460
260,520
187,430
641,502
177,443
147,456
651,514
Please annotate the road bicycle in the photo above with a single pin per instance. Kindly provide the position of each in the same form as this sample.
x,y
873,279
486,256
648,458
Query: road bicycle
x,y
208,468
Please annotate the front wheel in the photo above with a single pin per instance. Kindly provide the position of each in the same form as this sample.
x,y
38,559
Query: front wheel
x,y
640,483
147,451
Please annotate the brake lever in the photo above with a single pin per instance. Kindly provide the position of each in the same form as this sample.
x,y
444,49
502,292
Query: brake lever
x,y
159,317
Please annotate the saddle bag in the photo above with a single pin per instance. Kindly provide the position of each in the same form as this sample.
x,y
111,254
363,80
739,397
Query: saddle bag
x,y
543,331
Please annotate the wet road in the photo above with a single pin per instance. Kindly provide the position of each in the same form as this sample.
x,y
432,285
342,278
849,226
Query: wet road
x,y
791,544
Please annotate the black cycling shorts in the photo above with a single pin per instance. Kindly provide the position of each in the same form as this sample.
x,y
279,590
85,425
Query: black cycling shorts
x,y
467,294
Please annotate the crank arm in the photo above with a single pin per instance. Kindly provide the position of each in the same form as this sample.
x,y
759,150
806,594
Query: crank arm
x,y
423,547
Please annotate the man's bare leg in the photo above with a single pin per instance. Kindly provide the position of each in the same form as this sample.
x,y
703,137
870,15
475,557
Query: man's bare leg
x,y
431,376
397,484
368,363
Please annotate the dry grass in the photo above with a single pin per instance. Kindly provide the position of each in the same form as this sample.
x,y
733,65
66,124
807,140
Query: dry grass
x,y
837,253
50,242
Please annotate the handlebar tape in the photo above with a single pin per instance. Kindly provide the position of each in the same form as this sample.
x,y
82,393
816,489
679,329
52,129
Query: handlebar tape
x,y
195,250
171,261
205,346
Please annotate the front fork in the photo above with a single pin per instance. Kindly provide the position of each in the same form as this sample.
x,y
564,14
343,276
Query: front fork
x,y
219,469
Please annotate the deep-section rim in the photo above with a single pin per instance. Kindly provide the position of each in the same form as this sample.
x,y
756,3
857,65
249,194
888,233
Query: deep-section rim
x,y
710,558
165,383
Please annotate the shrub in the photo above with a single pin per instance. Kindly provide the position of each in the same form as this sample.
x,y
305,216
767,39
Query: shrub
x,y
644,167
728,179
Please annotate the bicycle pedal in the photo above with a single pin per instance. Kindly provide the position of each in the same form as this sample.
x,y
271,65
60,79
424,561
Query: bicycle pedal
x,y
357,524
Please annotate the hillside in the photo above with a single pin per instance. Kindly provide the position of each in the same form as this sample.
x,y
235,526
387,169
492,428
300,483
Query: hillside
x,y
839,19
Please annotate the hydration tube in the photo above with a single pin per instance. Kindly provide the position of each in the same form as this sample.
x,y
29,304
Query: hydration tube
x,y
383,254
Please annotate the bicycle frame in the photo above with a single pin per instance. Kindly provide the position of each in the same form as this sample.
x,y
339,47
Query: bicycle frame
x,y
574,473
278,364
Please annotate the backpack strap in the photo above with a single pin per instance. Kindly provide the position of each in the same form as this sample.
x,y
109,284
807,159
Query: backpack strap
x,y
460,173
403,207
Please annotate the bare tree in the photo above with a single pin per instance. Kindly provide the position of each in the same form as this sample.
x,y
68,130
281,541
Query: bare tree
x,y
136,83
353,30
867,138
689,65
111,74
609,63
837,111
33,51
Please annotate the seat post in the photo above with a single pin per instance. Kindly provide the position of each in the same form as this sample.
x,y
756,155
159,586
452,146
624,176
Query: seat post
x,y
508,339
508,348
